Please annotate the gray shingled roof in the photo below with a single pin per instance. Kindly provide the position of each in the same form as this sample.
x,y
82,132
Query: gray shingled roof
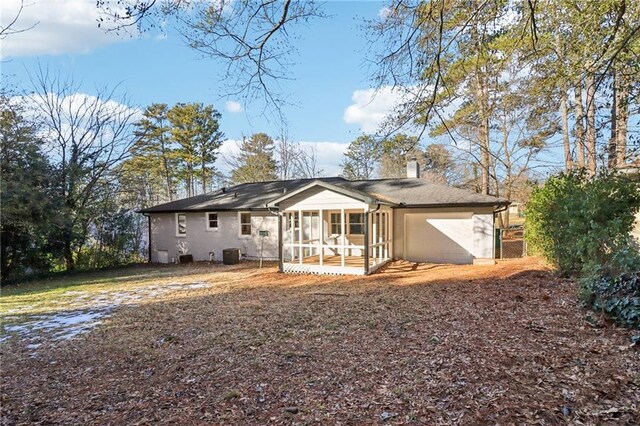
x,y
400,192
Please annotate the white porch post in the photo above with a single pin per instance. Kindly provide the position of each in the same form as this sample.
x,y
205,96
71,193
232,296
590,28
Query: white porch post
x,y
367,234
390,233
380,248
321,236
292,239
343,230
385,251
300,222
374,240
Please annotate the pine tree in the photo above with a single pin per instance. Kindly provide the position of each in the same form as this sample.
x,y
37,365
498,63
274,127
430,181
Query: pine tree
x,y
255,162
361,158
396,152
196,131
28,209
153,157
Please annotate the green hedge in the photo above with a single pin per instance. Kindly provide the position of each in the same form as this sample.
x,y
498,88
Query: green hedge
x,y
583,226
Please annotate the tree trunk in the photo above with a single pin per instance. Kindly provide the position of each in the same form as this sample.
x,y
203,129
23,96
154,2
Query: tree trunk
x,y
622,116
508,166
189,179
68,255
483,134
485,159
568,161
167,172
4,261
204,177
612,151
482,102
167,177
579,127
591,125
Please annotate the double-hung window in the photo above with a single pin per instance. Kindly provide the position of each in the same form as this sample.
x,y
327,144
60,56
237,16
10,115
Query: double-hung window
x,y
336,223
245,224
181,224
212,221
356,223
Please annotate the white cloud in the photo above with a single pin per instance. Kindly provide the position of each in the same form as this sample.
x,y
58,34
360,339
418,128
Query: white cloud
x,y
384,13
59,26
328,155
81,109
233,107
370,107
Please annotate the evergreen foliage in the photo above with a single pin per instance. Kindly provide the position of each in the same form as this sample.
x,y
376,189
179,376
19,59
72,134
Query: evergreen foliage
x,y
579,223
26,191
255,162
361,158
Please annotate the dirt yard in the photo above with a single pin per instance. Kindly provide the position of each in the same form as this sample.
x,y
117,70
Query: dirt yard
x,y
432,344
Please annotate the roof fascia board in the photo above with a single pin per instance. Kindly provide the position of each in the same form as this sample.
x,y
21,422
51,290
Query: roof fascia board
x,y
358,195
444,205
203,209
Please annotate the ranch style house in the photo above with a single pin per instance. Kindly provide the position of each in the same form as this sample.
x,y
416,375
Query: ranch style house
x,y
329,225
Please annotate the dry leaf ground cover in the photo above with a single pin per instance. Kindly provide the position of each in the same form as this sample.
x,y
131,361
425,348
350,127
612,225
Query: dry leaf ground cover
x,y
426,344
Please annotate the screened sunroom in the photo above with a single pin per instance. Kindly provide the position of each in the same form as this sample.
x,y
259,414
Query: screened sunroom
x,y
329,230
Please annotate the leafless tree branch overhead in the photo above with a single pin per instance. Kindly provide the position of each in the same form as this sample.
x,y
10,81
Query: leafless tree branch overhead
x,y
10,28
253,40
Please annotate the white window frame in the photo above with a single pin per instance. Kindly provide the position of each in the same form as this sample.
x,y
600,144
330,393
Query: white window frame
x,y
338,223
348,220
178,234
207,221
240,234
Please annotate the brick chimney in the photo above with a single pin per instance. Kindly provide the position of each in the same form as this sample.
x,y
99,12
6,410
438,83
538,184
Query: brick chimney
x,y
413,168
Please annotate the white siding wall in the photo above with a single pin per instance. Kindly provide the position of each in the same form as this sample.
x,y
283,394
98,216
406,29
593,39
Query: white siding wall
x,y
483,236
199,242
480,245
321,198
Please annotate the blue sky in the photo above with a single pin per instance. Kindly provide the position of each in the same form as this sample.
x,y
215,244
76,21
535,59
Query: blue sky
x,y
332,94
330,90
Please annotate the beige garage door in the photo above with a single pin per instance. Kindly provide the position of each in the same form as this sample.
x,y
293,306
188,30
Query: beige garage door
x,y
439,238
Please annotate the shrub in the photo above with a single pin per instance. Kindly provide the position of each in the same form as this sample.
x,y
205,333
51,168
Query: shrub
x,y
618,297
583,225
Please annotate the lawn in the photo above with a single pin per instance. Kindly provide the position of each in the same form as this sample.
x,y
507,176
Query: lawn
x,y
432,344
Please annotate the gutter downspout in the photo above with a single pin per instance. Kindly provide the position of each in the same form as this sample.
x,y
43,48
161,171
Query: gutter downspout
x,y
366,238
366,242
495,212
279,214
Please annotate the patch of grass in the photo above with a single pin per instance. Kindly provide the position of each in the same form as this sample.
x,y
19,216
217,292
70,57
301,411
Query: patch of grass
x,y
47,295
232,394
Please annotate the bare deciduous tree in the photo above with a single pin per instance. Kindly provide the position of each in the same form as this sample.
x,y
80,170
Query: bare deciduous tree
x,y
296,161
10,27
306,163
87,136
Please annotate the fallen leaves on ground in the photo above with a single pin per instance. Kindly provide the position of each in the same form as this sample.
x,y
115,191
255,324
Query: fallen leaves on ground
x,y
435,344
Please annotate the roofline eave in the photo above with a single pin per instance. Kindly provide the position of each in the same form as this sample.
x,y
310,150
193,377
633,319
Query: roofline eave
x,y
358,195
